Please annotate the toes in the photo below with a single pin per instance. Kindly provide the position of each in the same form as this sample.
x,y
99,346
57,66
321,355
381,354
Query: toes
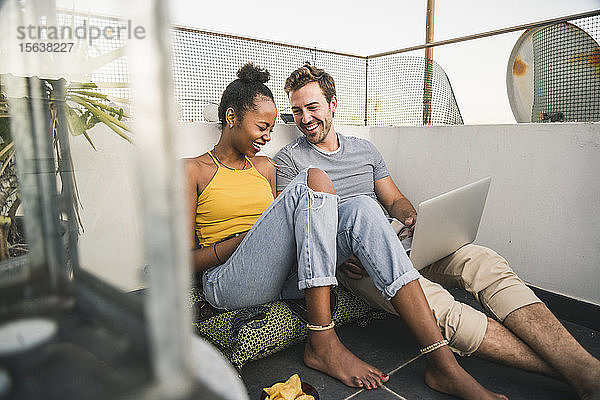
x,y
379,376
357,382
377,379
372,381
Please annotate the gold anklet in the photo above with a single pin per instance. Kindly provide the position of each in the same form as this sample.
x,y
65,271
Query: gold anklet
x,y
320,327
433,347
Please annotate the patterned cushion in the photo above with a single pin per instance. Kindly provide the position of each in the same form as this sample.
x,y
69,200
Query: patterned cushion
x,y
256,332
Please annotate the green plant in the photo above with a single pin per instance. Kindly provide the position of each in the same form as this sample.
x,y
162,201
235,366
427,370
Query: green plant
x,y
85,107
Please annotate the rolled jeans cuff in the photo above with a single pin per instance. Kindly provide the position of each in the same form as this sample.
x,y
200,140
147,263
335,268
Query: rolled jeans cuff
x,y
407,277
317,282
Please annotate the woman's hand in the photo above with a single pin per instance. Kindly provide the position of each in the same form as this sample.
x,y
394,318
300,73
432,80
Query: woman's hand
x,y
207,257
226,248
353,268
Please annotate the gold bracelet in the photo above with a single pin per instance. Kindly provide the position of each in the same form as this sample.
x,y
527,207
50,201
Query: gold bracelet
x,y
320,327
433,347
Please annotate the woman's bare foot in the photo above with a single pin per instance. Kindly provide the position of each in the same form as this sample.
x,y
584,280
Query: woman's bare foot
x,y
325,352
457,382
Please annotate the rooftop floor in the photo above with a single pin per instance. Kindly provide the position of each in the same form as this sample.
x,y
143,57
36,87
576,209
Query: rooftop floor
x,y
389,345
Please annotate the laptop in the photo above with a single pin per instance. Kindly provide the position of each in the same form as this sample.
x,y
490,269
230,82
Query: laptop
x,y
447,222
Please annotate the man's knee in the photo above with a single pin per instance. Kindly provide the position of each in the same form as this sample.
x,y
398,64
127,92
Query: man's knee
x,y
490,279
363,205
319,181
478,267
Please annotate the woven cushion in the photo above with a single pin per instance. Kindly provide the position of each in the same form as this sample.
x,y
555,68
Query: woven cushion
x,y
259,331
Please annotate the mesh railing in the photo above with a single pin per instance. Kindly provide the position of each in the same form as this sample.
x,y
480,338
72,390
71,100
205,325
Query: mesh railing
x,y
204,63
396,92
101,61
566,71
386,90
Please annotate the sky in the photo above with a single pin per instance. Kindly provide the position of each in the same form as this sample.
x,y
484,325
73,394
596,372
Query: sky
x,y
476,69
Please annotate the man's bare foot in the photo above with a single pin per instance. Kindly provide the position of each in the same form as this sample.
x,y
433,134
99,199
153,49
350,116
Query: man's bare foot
x,y
457,382
325,352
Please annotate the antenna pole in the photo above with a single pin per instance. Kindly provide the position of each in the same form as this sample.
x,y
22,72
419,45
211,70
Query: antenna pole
x,y
428,77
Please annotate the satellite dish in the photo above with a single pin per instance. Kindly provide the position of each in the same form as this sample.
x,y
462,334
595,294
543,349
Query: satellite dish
x,y
553,74
519,77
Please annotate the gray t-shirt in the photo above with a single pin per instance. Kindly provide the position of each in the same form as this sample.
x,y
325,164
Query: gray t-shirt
x,y
353,167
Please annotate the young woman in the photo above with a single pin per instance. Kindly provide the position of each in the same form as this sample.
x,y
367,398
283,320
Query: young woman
x,y
253,248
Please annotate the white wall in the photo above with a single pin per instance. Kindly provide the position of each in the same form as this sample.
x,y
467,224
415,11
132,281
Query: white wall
x,y
542,214
543,210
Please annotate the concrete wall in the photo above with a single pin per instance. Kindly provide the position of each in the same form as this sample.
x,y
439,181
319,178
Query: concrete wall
x,y
543,209
542,214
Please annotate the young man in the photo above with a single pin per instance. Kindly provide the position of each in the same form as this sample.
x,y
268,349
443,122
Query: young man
x,y
528,335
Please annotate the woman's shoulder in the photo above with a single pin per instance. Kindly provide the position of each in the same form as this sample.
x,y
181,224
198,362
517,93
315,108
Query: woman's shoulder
x,y
262,160
199,162
263,163
199,168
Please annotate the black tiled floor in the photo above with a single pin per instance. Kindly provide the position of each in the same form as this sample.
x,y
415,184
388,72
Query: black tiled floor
x,y
513,383
374,344
388,344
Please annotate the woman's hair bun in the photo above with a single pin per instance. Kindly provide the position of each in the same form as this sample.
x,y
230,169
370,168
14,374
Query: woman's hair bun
x,y
251,72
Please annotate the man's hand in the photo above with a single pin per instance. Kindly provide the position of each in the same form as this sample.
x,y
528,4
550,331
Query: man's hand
x,y
353,268
410,223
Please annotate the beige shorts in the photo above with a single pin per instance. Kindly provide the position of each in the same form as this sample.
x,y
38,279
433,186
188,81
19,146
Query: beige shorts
x,y
477,269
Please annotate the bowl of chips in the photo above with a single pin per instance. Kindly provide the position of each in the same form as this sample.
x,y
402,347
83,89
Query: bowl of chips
x,y
292,389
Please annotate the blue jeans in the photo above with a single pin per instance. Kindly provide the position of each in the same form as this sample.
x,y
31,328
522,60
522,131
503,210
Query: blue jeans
x,y
364,230
298,228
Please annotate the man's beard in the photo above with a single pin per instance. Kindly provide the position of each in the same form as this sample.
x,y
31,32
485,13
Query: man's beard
x,y
325,127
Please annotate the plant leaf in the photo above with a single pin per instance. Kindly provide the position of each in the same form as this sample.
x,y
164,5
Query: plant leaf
x,y
89,140
100,96
6,149
99,113
76,122
89,94
116,99
104,107
7,161
95,85
81,85
104,119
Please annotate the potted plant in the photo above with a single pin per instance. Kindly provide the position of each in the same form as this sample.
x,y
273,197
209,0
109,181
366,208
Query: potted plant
x,y
85,107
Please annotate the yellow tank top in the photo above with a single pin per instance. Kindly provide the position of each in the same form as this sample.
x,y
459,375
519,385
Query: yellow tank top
x,y
231,203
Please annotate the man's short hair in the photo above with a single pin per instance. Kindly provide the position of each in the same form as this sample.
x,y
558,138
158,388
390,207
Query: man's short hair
x,y
307,74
